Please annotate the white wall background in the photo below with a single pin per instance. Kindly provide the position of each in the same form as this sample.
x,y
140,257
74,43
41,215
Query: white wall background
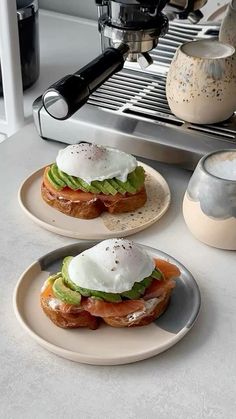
x,y
82,8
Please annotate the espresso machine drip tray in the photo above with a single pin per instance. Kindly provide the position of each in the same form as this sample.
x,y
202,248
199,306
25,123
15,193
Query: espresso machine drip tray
x,y
130,111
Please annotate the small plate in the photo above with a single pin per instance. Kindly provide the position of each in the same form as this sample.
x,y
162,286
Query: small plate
x,y
106,225
106,345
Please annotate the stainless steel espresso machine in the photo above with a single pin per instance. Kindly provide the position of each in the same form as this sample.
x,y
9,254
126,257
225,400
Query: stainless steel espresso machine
x,y
119,98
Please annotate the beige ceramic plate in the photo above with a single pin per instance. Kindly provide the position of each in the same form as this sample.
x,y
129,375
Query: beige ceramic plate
x,y
106,345
107,225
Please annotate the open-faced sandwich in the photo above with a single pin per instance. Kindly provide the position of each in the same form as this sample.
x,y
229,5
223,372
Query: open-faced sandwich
x,y
87,179
115,281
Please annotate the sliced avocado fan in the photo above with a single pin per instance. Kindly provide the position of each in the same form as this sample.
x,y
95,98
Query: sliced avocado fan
x,y
133,184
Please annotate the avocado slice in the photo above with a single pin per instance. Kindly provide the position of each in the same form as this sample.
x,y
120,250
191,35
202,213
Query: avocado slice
x,y
157,274
99,186
140,174
140,171
65,274
109,188
135,293
106,296
84,291
137,177
117,186
56,176
138,289
147,281
51,279
104,186
93,189
73,183
62,175
135,180
86,187
127,186
69,180
53,182
65,294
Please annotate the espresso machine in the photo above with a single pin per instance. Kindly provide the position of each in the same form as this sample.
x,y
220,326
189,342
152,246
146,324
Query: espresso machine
x,y
119,98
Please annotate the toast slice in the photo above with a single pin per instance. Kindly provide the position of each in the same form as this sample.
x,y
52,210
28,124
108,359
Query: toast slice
x,y
67,319
87,205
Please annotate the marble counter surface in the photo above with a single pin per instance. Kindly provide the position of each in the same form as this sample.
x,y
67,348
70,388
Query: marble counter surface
x,y
195,379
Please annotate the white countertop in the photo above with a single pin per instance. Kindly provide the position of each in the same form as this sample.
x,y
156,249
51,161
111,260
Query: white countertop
x,y
195,379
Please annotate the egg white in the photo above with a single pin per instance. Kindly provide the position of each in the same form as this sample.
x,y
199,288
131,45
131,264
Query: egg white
x,y
113,265
92,162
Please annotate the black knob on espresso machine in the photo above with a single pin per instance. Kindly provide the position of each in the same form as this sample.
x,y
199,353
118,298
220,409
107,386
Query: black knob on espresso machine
x,y
67,95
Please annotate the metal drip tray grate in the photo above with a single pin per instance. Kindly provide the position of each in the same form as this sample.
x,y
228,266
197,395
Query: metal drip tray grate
x,y
143,96
178,34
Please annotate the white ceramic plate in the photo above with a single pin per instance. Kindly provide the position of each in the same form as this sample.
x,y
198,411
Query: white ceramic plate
x,y
106,345
105,226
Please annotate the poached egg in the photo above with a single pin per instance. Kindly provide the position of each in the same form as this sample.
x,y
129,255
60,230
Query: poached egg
x,y
112,265
92,162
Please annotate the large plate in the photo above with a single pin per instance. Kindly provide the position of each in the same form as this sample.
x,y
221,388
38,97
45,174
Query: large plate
x,y
105,226
106,345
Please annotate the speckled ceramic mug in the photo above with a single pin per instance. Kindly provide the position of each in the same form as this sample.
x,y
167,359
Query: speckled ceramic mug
x,y
201,82
209,205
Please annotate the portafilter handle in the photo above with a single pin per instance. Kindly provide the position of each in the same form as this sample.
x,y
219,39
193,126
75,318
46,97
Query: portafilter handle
x,y
63,98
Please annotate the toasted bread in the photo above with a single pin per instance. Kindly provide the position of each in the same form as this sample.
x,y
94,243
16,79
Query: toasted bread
x,y
68,320
79,209
82,318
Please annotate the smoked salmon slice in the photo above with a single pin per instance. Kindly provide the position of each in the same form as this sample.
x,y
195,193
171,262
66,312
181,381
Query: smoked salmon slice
x,y
158,288
47,291
169,270
104,309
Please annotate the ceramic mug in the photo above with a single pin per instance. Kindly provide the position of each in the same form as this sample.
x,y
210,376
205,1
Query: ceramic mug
x,y
209,205
201,82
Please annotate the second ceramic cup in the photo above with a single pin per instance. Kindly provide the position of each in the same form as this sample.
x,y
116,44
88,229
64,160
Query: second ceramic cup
x,y
209,205
201,82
